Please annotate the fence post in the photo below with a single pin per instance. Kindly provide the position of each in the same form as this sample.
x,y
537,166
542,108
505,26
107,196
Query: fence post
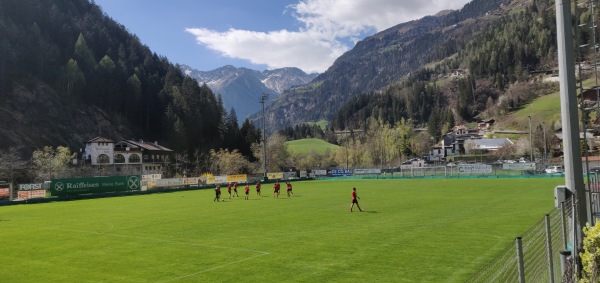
x,y
564,255
10,191
520,263
549,248
564,225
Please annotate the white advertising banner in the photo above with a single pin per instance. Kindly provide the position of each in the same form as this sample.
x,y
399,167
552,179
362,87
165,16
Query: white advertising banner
x,y
518,166
191,181
475,168
367,171
221,179
303,174
151,176
319,172
172,182
289,175
31,187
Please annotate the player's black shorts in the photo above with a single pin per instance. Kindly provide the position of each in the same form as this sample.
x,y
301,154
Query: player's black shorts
x,y
355,201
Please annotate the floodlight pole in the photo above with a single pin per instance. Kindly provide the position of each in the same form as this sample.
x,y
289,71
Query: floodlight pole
x,y
263,98
569,113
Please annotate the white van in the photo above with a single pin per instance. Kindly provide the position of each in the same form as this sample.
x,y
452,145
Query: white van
x,y
554,170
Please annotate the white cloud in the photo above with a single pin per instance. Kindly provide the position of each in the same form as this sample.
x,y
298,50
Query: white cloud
x,y
315,46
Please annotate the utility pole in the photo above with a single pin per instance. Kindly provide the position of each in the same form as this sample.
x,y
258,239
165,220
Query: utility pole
x,y
264,98
545,144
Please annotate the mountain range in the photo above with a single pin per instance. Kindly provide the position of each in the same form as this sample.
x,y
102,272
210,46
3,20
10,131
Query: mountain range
x,y
387,57
242,88
69,73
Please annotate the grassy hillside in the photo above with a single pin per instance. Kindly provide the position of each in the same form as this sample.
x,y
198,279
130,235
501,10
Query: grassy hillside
x,y
542,109
323,124
304,146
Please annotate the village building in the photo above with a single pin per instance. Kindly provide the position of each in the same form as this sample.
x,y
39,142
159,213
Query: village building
x,y
127,156
482,146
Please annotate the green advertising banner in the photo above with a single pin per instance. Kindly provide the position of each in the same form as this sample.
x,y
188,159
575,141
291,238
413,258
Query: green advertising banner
x,y
78,186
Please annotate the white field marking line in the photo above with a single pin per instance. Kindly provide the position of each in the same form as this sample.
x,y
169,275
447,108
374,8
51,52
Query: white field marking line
x,y
261,253
214,268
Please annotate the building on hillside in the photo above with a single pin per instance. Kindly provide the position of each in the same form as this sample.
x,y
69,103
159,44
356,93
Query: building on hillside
x,y
590,96
127,156
453,143
456,139
99,151
149,157
485,125
556,144
480,146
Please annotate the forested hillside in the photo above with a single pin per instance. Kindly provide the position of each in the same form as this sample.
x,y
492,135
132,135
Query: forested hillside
x,y
472,81
69,73
470,55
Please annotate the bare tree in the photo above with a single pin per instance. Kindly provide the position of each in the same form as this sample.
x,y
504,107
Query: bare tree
x,y
11,161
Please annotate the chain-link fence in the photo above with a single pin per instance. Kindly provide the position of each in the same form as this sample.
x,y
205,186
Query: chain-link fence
x,y
534,257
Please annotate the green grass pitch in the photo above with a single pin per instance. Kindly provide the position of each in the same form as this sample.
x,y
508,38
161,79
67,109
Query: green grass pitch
x,y
439,230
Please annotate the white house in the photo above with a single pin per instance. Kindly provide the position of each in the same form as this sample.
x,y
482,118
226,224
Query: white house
x,y
485,145
99,151
127,156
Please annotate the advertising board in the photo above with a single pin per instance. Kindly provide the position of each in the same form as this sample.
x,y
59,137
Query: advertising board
x,y
151,176
341,172
194,181
29,187
319,172
275,176
290,175
374,171
475,168
170,182
4,193
303,174
240,178
77,186
29,194
518,166
221,179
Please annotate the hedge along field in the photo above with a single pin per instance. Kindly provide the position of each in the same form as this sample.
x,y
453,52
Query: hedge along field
x,y
439,230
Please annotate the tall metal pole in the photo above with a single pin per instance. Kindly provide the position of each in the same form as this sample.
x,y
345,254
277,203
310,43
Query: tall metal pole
x,y
545,144
530,141
568,108
263,98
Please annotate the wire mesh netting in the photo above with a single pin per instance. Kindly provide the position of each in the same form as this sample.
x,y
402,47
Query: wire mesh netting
x,y
538,266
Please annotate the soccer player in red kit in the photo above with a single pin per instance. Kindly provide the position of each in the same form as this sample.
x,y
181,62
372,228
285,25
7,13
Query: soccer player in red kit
x,y
229,190
258,188
235,189
355,199
217,193
289,188
247,191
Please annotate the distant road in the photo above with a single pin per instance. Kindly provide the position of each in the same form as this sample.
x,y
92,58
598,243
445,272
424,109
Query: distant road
x,y
511,132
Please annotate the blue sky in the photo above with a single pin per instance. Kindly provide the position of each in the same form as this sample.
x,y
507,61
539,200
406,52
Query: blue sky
x,y
262,34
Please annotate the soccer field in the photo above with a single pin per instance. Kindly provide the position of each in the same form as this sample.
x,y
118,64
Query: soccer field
x,y
439,230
